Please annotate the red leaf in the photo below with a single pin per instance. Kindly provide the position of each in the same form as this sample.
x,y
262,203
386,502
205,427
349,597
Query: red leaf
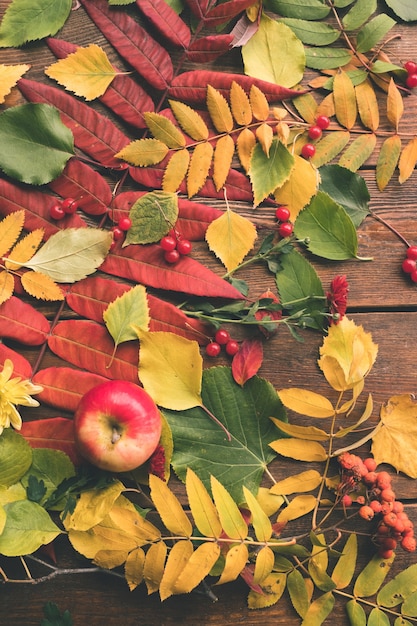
x,y
93,133
247,361
21,368
198,7
192,86
166,21
89,346
225,12
132,42
63,387
56,433
124,96
206,49
146,265
22,322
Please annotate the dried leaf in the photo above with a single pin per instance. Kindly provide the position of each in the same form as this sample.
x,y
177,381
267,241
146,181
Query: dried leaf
x,y
9,75
306,402
222,161
219,110
408,160
231,237
126,311
199,167
25,248
367,105
41,286
202,508
231,518
164,130
10,228
190,121
395,105
240,105
387,161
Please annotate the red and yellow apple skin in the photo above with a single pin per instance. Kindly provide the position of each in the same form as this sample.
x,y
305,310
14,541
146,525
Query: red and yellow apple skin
x,y
117,426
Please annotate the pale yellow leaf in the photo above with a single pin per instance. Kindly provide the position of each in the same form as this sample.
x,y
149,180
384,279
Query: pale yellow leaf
x,y
219,110
143,152
358,152
134,568
25,248
178,557
299,506
170,369
9,75
164,130
176,170
299,449
301,432
299,483
202,507
387,161
190,121
198,567
6,286
124,516
395,105
260,521
306,402
199,167
344,569
265,134
408,160
240,105
367,105
92,506
41,286
231,236
330,146
169,508
10,228
263,565
236,559
245,144
344,100
154,565
231,518
298,190
273,587
222,161
259,103
87,72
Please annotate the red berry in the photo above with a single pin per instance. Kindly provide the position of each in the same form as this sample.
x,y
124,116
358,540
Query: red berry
x,y
222,336
117,234
386,507
168,243
184,246
375,506
346,500
387,495
409,265
124,223
384,480
70,205
323,122
370,464
285,229
390,519
282,214
398,507
315,132
388,543
411,81
413,276
213,349
308,150
409,544
232,347
171,256
386,554
56,211
410,67
412,252
366,512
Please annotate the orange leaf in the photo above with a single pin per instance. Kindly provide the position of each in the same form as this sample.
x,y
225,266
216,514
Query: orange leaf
x,y
259,103
265,135
176,170
240,104
41,286
190,121
25,249
408,160
367,105
199,167
245,144
223,155
10,229
6,286
395,105
387,161
344,100
219,110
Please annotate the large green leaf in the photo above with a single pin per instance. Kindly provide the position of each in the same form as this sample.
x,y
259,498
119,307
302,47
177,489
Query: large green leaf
x,y
35,144
268,172
200,443
28,20
405,9
15,457
28,527
347,189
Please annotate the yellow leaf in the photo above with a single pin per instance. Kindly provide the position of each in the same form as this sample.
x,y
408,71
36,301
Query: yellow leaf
x,y
265,135
260,521
231,518
143,152
408,160
178,557
125,517
25,249
41,286
219,110
306,107
199,168
231,237
387,161
240,105
170,369
298,190
306,402
299,449
273,587
92,506
154,566
302,432
395,442
9,75
263,565
329,147
270,502
190,121
236,558
176,170
163,129
299,506
259,103
198,567
345,567
344,100
223,155
245,143
6,286
367,105
358,152
10,229
134,568
395,105
202,508
299,483
326,106
87,72
109,559
169,508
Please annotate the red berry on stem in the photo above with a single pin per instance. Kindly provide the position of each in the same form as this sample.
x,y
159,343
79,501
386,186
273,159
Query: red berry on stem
x,y
184,246
410,67
411,81
56,211
413,276
124,223
118,234
168,243
282,214
412,252
285,229
366,512
315,132
308,150
70,205
222,336
323,122
171,256
213,349
232,347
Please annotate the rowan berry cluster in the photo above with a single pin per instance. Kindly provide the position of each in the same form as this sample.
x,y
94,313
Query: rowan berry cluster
x,y
379,503
61,208
222,339
174,246
411,69
315,132
285,226
409,265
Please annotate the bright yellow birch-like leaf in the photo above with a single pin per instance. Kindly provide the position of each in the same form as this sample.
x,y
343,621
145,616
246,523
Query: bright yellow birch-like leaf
x,y
143,152
199,167
169,508
131,308
344,100
202,507
306,402
87,72
198,567
329,147
231,237
259,103
367,105
408,160
387,161
9,75
299,506
164,130
263,565
395,442
265,134
298,190
219,110
240,105
10,228
245,144
299,483
6,286
41,286
134,568
231,518
92,506
366,414
274,586
312,433
25,249
170,369
178,557
236,559
222,160
190,121
299,449
358,152
395,105
306,106
154,565
260,521
176,170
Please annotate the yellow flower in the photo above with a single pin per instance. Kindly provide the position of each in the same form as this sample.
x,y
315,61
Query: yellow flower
x,y
14,391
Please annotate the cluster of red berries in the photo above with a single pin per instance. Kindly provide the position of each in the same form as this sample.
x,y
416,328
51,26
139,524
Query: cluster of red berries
x,y
119,231
315,132
174,246
411,69
285,227
222,339
61,208
394,526
409,265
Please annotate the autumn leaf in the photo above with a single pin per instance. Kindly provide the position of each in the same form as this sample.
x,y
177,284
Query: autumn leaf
x,y
6,286
41,286
231,237
268,173
300,187
152,216
10,228
127,310
25,248
9,75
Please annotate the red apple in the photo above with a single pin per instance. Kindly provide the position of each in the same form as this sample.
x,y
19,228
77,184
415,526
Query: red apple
x,y
117,426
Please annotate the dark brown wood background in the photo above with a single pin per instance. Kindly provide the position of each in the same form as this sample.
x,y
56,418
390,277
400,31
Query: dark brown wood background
x,y
381,298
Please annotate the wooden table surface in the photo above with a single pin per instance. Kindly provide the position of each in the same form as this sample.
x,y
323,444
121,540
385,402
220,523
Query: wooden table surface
x,y
381,299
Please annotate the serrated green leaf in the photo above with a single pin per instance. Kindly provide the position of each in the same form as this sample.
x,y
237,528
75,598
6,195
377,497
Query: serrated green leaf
x,y
396,590
347,189
314,33
359,14
152,216
36,145
330,146
358,152
29,20
128,309
267,173
327,58
372,576
405,9
303,9
374,32
297,590
387,161
15,457
28,526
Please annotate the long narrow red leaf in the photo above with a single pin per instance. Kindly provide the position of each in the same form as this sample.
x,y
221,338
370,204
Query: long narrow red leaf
x,y
63,387
56,433
224,12
198,7
124,96
20,321
132,42
93,133
89,346
146,265
166,21
21,368
207,49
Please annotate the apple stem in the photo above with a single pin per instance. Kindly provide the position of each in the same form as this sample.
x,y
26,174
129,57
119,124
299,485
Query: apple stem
x,y
115,437
215,419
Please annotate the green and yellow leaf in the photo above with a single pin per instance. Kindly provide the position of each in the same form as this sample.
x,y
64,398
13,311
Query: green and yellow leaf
x,y
300,187
372,576
199,168
143,152
344,100
387,161
231,237
329,147
128,310
202,507
190,121
230,517
164,130
358,152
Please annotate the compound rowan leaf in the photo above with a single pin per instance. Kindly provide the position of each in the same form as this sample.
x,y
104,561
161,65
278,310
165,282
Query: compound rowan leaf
x,y
408,160
219,110
231,237
387,161
164,130
9,75
124,312
199,167
10,228
190,121
143,152
41,286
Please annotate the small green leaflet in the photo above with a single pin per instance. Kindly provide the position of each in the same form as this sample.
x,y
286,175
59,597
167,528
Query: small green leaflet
x,y
29,20
327,58
405,9
373,32
267,173
348,189
314,33
153,215
303,9
359,14
36,145
130,308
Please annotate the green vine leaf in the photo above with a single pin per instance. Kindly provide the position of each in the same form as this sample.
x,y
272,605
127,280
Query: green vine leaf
x,y
29,20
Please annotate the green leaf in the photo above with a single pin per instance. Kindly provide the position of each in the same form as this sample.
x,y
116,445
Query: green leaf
x,y
327,58
347,189
267,173
396,590
358,152
200,444
359,14
374,32
28,527
297,590
49,467
409,606
319,610
129,308
372,576
304,9
345,567
54,617
36,489
405,9
378,618
153,215
15,457
327,229
28,20
36,145
355,613
316,34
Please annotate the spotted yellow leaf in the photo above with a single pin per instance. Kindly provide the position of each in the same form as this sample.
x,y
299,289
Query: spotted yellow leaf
x,y
25,249
41,286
